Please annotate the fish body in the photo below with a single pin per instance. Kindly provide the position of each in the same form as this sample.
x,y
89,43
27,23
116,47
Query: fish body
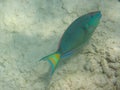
x,y
78,33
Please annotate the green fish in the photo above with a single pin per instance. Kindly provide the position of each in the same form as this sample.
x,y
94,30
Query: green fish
x,y
76,35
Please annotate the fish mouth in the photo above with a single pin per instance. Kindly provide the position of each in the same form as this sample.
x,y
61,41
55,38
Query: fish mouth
x,y
98,13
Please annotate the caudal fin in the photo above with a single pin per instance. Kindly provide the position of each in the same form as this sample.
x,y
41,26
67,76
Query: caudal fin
x,y
53,59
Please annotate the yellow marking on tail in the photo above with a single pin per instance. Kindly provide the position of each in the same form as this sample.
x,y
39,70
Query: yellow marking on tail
x,y
53,61
57,56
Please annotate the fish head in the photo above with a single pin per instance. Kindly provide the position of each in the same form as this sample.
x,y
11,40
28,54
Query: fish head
x,y
94,18
92,21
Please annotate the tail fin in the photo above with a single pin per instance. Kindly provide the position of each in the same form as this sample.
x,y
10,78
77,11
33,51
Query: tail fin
x,y
53,59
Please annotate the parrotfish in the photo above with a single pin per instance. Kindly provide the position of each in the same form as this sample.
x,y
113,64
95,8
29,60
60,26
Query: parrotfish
x,y
78,33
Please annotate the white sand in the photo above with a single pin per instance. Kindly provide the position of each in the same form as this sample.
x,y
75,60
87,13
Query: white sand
x,y
31,29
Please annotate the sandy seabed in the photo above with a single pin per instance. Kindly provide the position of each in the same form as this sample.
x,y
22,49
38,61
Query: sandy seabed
x,y
31,29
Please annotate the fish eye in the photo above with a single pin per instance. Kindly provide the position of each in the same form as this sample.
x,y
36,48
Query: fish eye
x,y
92,16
